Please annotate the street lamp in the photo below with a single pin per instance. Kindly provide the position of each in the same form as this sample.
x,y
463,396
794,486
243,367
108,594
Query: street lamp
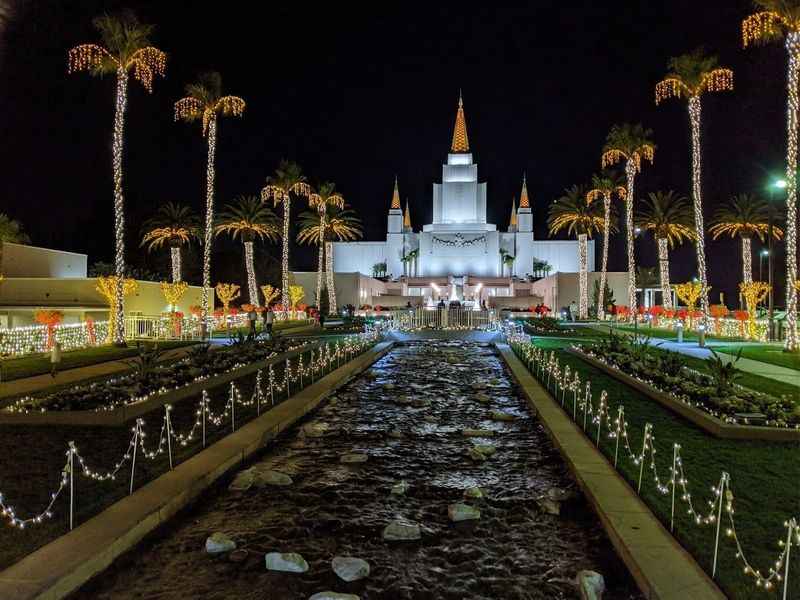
x,y
778,184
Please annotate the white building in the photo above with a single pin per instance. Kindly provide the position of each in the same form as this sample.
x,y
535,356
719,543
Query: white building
x,y
459,255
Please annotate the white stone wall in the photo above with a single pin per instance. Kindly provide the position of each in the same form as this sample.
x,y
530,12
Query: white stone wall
x,y
19,260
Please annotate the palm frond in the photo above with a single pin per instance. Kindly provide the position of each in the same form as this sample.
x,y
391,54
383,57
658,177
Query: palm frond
x,y
745,216
667,215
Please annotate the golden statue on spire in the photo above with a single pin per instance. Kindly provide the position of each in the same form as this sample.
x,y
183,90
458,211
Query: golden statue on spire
x,y
460,141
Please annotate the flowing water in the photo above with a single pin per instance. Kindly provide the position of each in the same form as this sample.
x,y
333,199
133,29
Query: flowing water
x,y
407,413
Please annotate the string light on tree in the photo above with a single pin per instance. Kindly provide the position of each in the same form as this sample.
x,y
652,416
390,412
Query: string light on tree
x,y
109,287
270,294
127,49
764,27
606,185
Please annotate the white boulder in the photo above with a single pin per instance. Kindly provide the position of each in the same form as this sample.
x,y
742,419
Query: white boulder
x,y
286,562
350,568
219,543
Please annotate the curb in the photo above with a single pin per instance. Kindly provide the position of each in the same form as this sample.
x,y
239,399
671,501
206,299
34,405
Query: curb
x,y
61,567
662,569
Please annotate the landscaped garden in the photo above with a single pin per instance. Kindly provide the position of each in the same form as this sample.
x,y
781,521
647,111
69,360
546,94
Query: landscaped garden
x,y
763,476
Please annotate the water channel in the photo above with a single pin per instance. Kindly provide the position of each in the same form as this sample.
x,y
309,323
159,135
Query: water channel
x,y
407,414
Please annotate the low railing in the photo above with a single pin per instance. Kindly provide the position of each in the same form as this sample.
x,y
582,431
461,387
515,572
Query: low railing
x,y
441,318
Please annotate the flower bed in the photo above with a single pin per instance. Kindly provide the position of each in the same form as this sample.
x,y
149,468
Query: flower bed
x,y
716,394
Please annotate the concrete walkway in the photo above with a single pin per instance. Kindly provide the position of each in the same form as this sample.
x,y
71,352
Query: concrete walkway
x,y
756,367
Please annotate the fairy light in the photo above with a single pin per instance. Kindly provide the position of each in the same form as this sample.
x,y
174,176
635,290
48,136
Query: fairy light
x,y
227,293
754,293
114,289
175,255
607,188
173,292
329,272
663,265
146,63
270,294
583,266
252,286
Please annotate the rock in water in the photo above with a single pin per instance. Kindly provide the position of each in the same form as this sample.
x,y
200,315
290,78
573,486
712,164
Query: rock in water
x,y
273,478
353,458
400,488
477,432
395,434
476,455
499,415
401,531
333,596
287,562
474,493
218,543
350,568
430,419
315,430
591,585
243,481
482,398
552,501
463,512
485,449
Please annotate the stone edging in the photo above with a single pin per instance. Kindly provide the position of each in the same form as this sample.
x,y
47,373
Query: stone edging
x,y
121,414
663,570
65,564
706,422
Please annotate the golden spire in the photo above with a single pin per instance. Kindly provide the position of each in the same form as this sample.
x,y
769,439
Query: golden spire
x,y
513,222
460,141
395,196
407,217
523,197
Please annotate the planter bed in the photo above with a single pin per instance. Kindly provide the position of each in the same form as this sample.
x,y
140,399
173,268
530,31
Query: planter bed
x,y
121,413
707,422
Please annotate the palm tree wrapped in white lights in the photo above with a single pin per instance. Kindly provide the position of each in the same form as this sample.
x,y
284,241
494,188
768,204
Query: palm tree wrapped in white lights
x,y
691,76
204,101
607,185
127,48
324,197
631,143
288,180
778,19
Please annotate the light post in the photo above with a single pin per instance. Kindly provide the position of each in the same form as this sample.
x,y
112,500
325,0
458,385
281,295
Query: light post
x,y
778,184
764,254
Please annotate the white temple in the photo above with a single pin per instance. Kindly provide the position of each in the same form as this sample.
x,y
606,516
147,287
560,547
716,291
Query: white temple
x,y
459,249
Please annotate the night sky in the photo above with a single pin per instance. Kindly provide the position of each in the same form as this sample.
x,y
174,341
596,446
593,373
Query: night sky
x,y
357,95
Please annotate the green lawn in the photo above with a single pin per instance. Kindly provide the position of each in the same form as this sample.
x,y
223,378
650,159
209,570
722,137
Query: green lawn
x,y
764,479
38,364
668,334
276,327
772,354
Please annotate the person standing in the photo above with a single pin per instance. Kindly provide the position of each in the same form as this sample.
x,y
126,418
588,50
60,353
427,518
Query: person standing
x,y
55,358
269,318
573,310
252,316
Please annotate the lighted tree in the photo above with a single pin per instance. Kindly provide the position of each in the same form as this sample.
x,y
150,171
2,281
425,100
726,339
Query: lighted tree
x,y
668,216
754,292
173,226
690,76
320,200
173,292
606,185
49,318
296,295
632,144
227,293
746,216
109,287
690,292
781,19
204,102
11,231
270,294
288,181
249,219
337,224
582,218
127,49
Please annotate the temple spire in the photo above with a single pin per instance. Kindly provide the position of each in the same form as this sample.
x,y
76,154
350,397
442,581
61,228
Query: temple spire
x,y
523,197
512,225
407,217
460,141
395,196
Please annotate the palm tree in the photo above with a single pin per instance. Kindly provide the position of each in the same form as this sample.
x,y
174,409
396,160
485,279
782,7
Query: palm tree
x,y
336,224
578,216
127,49
173,226
204,101
607,184
324,197
669,217
631,143
11,231
778,19
250,220
746,216
690,76
287,181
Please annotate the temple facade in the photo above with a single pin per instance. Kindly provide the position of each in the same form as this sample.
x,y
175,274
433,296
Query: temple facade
x,y
459,248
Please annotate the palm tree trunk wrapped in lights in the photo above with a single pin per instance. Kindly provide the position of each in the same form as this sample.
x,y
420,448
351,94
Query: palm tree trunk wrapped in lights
x,y
175,256
173,226
208,231
663,268
329,273
583,275
321,268
697,200
747,260
631,143
606,185
126,49
252,286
